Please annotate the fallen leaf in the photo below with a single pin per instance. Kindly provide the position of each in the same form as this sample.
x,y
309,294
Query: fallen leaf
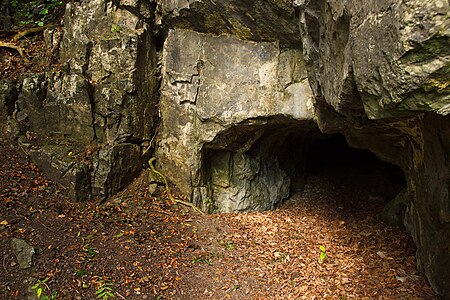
x,y
4,222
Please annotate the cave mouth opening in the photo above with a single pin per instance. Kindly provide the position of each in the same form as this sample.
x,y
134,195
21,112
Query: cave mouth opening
x,y
355,179
265,165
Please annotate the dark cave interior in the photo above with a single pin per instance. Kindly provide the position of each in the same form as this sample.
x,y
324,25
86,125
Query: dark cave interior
x,y
329,157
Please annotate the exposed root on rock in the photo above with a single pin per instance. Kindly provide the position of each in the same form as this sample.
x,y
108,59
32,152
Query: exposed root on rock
x,y
169,193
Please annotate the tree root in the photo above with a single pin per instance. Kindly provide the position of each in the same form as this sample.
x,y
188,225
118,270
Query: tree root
x,y
26,32
15,47
174,200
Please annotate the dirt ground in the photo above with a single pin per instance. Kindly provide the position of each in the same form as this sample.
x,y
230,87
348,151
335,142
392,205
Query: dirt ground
x,y
137,246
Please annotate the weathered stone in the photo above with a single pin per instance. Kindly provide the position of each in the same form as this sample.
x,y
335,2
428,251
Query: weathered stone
x,y
260,20
394,212
5,14
104,99
115,167
8,98
396,54
23,252
389,61
220,95
64,167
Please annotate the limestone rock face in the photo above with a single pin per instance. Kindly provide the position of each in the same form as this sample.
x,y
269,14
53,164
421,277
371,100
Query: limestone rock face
x,y
244,86
258,20
8,97
221,95
395,54
101,108
389,61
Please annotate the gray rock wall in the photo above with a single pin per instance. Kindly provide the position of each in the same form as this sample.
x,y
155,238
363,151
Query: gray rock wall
x,y
389,61
8,98
248,20
94,118
395,53
220,95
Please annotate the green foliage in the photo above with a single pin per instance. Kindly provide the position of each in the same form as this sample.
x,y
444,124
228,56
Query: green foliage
x,y
115,28
323,253
42,290
80,273
104,290
210,204
227,244
38,12
89,251
205,258
202,259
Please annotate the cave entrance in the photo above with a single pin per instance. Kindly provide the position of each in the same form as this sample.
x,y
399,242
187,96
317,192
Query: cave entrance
x,y
260,167
351,179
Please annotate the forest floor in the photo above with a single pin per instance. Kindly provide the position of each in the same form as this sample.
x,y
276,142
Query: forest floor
x,y
138,246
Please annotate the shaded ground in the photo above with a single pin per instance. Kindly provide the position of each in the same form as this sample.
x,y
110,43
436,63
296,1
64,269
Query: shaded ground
x,y
146,248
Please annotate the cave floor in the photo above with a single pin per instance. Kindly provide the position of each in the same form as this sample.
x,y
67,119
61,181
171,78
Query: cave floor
x,y
142,247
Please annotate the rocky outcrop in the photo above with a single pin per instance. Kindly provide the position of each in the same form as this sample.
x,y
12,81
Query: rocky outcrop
x,y
95,117
258,20
396,55
220,97
379,74
389,61
8,98
5,14
244,86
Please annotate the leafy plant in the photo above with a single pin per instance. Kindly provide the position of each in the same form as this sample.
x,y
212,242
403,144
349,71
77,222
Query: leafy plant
x,y
323,254
104,290
42,289
211,205
115,28
38,12
202,259
227,244
89,251
80,273
205,258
